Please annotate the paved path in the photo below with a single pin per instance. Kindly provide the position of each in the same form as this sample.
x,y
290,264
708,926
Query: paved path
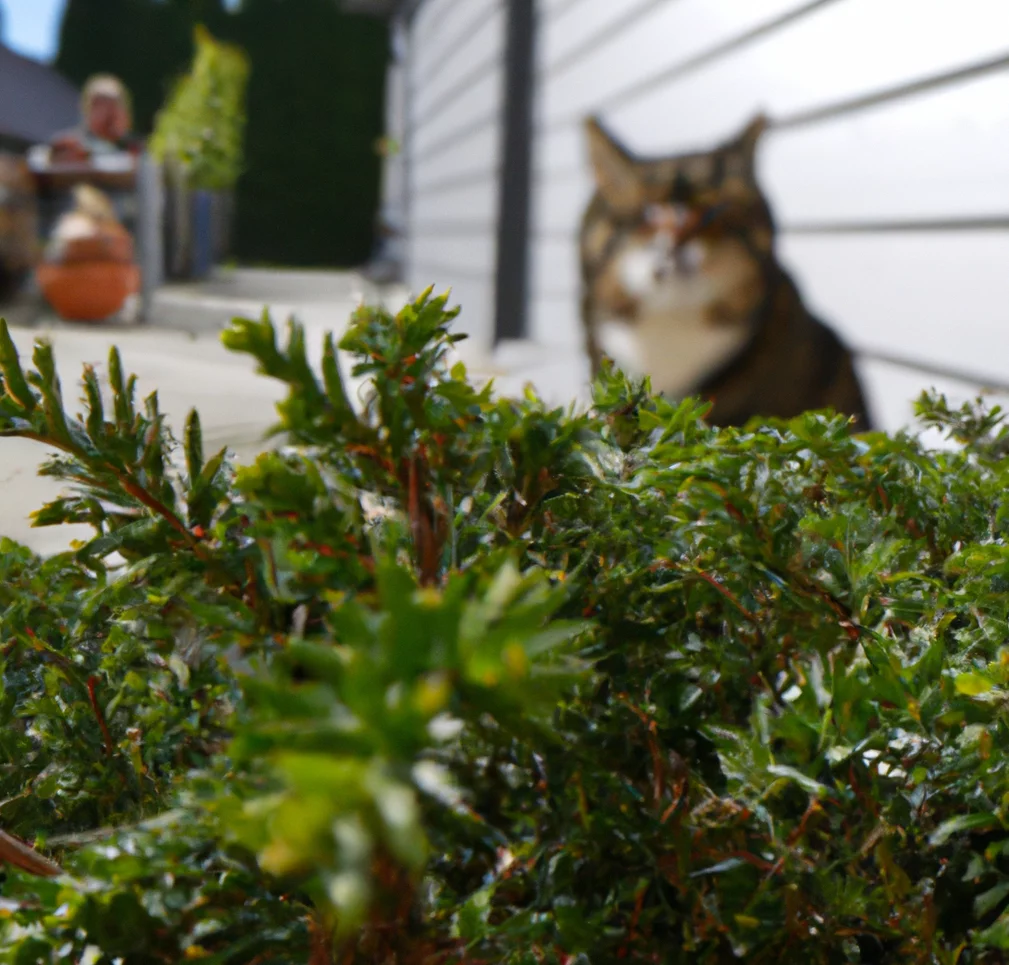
x,y
179,354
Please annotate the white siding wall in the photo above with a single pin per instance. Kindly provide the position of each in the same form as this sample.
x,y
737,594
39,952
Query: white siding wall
x,y
887,167
887,162
454,102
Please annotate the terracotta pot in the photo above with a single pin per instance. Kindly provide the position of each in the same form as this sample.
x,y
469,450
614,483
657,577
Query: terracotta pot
x,y
88,291
101,247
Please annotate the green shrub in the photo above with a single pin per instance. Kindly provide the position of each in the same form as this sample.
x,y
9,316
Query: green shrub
x,y
456,678
202,126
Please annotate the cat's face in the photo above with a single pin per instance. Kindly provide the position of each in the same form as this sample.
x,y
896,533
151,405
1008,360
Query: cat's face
x,y
672,235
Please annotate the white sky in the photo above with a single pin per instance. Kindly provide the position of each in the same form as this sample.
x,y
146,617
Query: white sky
x,y
31,27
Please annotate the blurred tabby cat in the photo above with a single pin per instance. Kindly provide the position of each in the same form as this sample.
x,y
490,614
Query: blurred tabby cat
x,y
678,258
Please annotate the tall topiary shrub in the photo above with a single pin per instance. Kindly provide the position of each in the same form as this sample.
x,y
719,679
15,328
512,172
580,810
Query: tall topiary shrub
x,y
457,678
202,126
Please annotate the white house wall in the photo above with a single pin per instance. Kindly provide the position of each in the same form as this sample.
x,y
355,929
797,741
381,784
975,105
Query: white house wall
x,y
887,161
887,165
454,103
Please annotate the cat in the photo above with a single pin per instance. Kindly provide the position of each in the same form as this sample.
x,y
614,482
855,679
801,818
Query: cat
x,y
677,257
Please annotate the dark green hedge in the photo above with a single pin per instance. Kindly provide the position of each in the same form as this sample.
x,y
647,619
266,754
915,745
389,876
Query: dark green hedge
x,y
316,95
147,44
316,104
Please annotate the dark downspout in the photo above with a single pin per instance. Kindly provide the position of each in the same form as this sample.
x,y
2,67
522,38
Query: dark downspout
x,y
514,205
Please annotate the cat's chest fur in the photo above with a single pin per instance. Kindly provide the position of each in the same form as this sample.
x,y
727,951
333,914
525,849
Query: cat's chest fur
x,y
679,333
678,348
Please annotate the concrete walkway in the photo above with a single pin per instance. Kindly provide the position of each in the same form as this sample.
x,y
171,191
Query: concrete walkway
x,y
179,354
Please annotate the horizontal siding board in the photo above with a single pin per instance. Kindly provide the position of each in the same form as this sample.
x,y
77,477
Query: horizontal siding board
x,y
446,185
457,92
553,10
940,156
945,154
564,41
429,14
844,50
469,255
674,34
453,34
939,371
457,228
920,225
942,299
441,36
452,152
473,154
473,201
479,125
555,267
468,57
479,101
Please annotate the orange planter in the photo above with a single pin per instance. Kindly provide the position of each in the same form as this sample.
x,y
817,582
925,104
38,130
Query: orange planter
x,y
88,291
106,246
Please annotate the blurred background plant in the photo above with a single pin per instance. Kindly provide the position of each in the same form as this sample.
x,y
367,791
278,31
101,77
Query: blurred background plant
x,y
202,126
309,184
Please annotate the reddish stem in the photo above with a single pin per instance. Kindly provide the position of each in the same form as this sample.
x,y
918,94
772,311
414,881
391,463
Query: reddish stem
x,y
99,716
728,594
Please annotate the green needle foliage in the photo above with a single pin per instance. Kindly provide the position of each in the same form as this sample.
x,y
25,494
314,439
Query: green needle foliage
x,y
448,677
202,126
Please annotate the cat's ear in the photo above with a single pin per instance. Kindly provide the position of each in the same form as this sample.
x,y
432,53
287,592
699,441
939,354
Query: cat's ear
x,y
742,150
616,170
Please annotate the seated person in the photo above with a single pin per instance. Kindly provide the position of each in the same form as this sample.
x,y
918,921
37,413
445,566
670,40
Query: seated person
x,y
106,123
